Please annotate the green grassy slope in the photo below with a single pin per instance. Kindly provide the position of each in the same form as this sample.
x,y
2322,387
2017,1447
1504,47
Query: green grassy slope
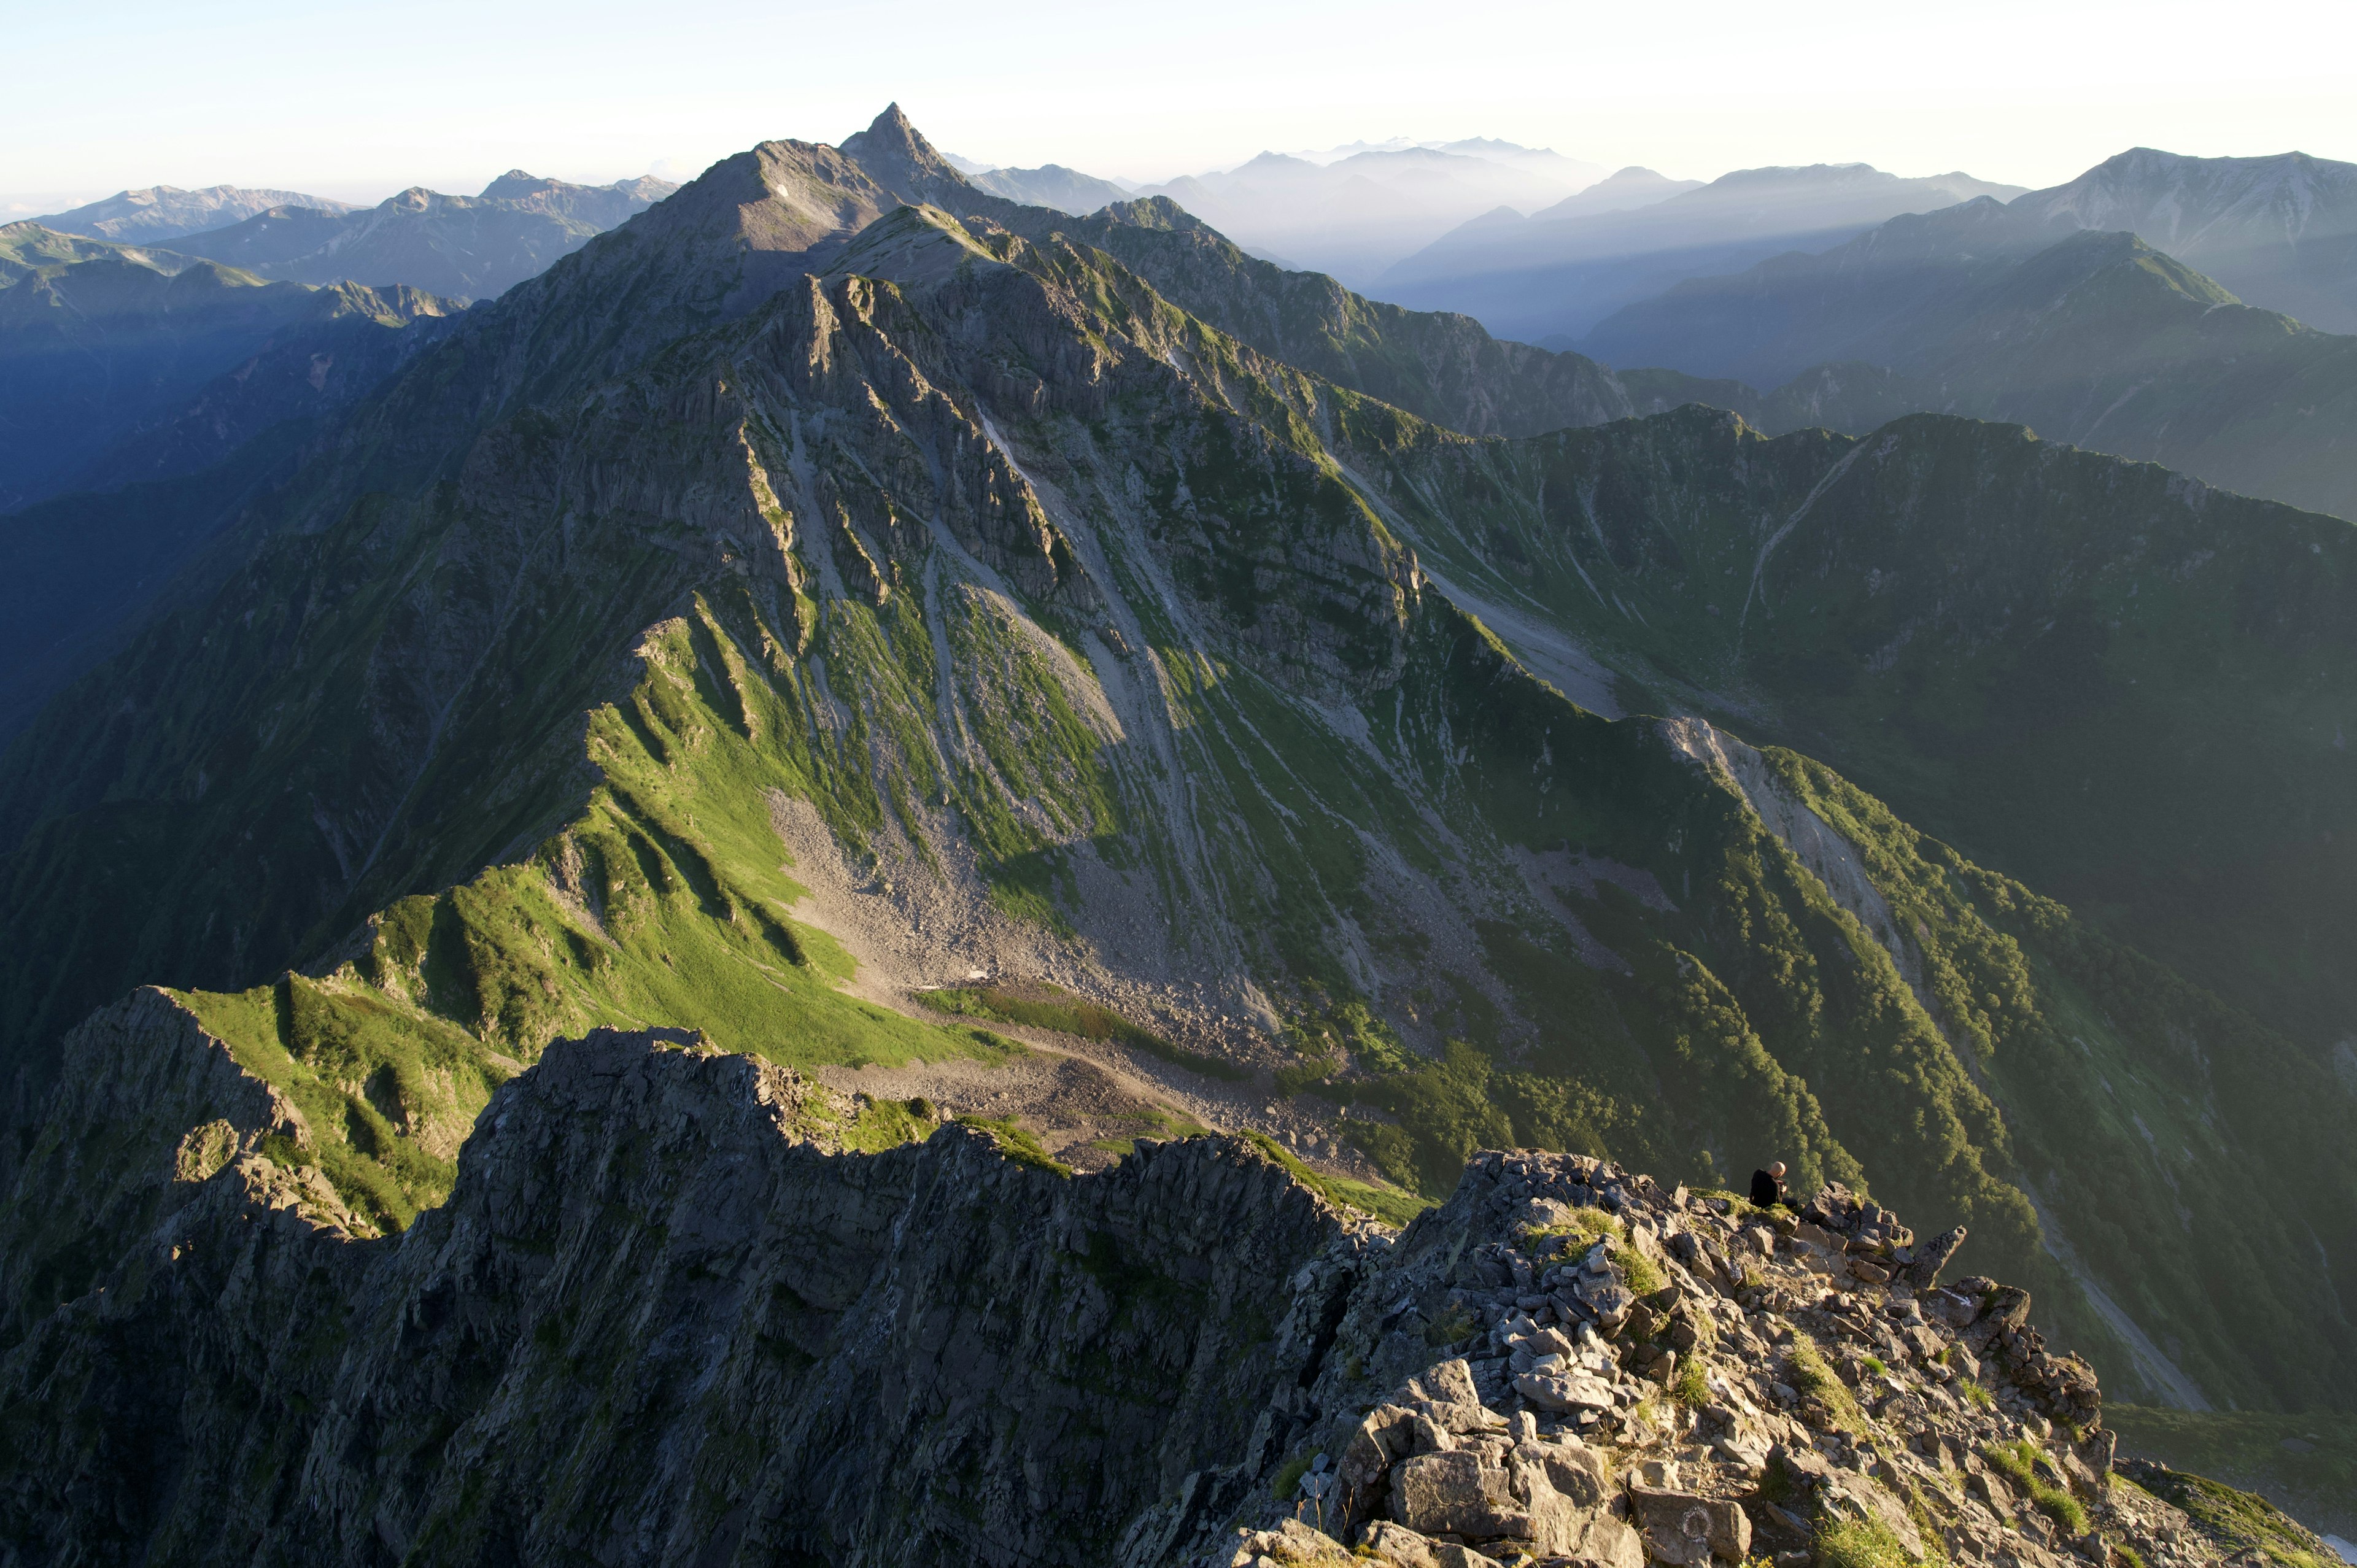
x,y
2304,1464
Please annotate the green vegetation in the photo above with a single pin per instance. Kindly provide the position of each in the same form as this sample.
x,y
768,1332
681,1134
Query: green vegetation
x,y
2307,1461
1389,1205
1643,1274
882,1125
1859,1543
2020,1460
1688,1384
1018,1143
1157,1122
1583,1227
2238,1521
1813,1377
1309,744
1040,1006
1287,1479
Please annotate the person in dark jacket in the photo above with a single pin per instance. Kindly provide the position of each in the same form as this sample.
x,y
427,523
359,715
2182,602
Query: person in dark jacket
x,y
1767,1185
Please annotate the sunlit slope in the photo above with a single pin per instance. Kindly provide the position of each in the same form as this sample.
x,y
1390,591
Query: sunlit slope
x,y
1099,628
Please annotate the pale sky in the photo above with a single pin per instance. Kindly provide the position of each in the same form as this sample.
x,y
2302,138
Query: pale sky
x,y
358,101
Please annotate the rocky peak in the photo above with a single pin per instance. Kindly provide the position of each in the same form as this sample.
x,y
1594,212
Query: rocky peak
x,y
514,184
892,150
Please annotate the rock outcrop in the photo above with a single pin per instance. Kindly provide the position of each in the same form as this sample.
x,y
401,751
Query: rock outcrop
x,y
657,1321
665,1317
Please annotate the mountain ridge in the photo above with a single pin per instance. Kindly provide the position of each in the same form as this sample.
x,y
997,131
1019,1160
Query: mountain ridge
x,y
1091,640
1583,267
845,1342
465,247
167,213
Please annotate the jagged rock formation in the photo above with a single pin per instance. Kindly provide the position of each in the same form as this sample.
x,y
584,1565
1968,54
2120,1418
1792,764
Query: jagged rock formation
x,y
657,1321
664,1318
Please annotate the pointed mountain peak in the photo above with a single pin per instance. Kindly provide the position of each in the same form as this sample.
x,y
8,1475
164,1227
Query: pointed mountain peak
x,y
897,158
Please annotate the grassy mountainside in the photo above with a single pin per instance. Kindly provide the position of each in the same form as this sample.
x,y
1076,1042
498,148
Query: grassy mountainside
x,y
2129,691
2305,1464
1069,621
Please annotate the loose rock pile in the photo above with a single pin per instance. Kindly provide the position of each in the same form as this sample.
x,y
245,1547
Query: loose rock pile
x,y
1648,1374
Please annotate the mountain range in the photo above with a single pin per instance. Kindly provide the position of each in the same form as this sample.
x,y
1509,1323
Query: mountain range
x,y
1551,276
2098,339
1353,217
166,212
1050,185
684,1305
2278,233
862,620
464,247
145,392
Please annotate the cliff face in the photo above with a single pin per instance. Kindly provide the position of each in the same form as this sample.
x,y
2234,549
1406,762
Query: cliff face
x,y
657,1321
663,1318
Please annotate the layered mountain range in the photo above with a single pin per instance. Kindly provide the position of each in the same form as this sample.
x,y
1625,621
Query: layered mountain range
x,y
145,392
1355,215
1549,277
2092,338
163,213
466,247
870,621
552,986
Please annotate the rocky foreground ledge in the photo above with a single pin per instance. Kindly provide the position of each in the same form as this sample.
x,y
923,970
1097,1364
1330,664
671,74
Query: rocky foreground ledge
x,y
664,1318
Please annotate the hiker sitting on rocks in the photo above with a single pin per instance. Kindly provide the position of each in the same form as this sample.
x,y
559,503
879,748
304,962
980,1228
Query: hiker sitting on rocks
x,y
1767,1185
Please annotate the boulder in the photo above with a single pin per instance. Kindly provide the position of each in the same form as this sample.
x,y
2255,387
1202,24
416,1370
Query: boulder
x,y
1449,1382
2004,1309
1461,1415
1455,1494
1689,1530
1855,1496
1553,1342
1449,1554
1397,1544
1427,1436
1833,1207
1293,1544
1564,1534
1571,1469
1386,1434
1564,1395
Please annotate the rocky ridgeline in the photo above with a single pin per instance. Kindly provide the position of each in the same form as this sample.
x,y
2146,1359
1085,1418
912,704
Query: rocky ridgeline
x,y
666,1316
1650,1375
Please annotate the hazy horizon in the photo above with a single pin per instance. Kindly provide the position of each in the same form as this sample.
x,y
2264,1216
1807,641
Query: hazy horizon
x,y
587,92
